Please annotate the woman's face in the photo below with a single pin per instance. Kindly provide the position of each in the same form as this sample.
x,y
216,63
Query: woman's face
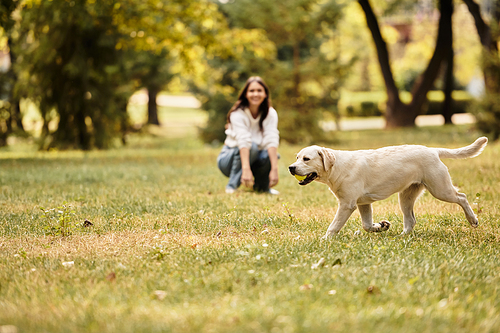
x,y
255,94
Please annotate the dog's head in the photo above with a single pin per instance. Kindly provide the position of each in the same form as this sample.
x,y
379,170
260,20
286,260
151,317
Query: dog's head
x,y
314,163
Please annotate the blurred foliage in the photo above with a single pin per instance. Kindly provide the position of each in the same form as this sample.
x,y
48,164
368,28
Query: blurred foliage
x,y
239,54
409,57
80,58
487,110
294,50
153,71
70,63
372,103
9,104
462,101
487,22
487,113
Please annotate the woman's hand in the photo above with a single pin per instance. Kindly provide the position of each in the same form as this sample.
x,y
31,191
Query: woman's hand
x,y
273,177
246,174
247,177
273,174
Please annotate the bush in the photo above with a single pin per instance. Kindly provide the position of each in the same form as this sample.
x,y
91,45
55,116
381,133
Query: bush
x,y
461,102
362,104
372,103
217,106
297,128
370,109
487,112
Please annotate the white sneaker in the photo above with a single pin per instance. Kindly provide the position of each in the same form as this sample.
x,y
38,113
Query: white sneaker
x,y
273,191
230,190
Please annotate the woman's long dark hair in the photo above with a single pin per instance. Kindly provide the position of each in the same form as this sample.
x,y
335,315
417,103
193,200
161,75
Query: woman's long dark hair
x,y
242,101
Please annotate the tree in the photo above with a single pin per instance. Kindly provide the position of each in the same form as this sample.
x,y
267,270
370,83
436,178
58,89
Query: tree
x,y
70,64
239,54
77,58
447,107
10,113
170,39
305,69
152,71
488,115
399,114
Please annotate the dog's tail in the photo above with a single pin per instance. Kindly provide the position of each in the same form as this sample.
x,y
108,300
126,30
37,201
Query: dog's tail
x,y
469,151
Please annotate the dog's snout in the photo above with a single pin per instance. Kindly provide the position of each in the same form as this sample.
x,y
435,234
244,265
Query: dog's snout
x,y
291,168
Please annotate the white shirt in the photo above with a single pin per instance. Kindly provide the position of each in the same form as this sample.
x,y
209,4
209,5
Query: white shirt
x,y
243,129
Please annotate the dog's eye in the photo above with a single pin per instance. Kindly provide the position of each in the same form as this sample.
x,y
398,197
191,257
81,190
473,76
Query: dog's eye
x,y
306,159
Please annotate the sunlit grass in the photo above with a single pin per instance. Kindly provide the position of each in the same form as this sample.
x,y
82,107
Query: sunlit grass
x,y
169,251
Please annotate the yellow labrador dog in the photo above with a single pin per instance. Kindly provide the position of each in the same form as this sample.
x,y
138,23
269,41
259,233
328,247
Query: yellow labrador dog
x,y
359,178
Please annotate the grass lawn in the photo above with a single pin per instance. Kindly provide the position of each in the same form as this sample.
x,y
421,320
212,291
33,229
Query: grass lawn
x,y
169,251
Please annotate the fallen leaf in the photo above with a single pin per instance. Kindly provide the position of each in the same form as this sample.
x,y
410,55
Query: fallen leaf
x,y
111,277
87,223
306,287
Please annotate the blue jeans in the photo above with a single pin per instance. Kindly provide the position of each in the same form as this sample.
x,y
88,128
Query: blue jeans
x,y
229,162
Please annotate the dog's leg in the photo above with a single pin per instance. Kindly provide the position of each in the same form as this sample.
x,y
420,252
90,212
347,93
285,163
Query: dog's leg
x,y
407,200
461,199
345,210
367,220
441,187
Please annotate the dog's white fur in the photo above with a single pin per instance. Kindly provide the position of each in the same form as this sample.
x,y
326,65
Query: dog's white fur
x,y
359,178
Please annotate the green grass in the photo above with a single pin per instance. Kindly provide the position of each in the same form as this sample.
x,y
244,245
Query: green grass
x,y
169,251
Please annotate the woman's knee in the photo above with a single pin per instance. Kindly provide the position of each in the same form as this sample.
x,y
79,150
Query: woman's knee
x,y
226,159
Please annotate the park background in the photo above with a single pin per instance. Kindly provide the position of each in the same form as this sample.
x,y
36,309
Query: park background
x,y
113,216
70,68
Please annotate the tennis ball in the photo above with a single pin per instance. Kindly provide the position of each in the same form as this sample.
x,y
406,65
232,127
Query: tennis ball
x,y
299,178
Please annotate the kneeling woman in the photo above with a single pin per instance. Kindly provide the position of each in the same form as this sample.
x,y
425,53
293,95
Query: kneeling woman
x,y
250,152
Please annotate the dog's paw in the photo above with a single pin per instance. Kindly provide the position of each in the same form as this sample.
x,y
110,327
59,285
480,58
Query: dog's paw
x,y
382,226
328,236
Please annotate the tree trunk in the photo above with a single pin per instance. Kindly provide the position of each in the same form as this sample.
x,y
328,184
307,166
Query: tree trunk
x,y
83,135
490,46
443,45
483,29
43,142
397,113
447,107
296,75
152,107
15,110
393,100
64,135
124,120
447,110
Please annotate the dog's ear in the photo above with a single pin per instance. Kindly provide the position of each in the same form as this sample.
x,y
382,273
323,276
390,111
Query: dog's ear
x,y
328,158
